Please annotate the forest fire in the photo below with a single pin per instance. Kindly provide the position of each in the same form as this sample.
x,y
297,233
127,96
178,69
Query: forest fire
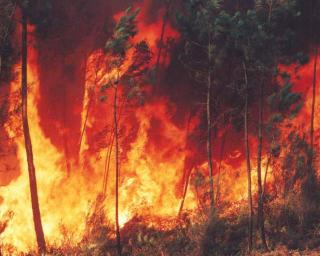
x,y
303,76
150,174
127,164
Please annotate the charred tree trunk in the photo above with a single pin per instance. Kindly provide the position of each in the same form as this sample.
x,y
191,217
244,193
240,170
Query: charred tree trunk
x,y
83,130
26,132
115,116
109,153
219,168
209,146
187,173
163,29
107,165
314,87
185,190
259,176
66,153
265,177
247,150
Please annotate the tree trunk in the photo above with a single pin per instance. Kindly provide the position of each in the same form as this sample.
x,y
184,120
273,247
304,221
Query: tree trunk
x,y
247,150
209,146
259,159
109,153
83,130
31,168
163,29
115,116
219,168
107,165
187,172
66,152
314,86
265,177
185,190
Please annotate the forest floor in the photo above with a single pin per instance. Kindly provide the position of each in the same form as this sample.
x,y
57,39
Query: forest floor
x,y
283,251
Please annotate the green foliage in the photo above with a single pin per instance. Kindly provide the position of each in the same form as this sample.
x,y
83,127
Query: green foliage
x,y
134,77
141,60
225,236
285,105
204,27
276,118
124,30
295,166
285,100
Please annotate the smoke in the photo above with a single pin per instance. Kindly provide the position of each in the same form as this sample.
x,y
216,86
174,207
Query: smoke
x,y
74,30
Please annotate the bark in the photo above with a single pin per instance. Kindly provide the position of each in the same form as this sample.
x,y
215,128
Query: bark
x,y
259,178
209,146
115,116
247,150
28,145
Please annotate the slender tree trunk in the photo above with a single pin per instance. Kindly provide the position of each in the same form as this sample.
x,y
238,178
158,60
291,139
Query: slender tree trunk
x,y
265,177
259,176
219,168
83,130
314,84
163,29
185,190
31,168
66,153
209,146
109,153
314,87
187,174
165,54
115,116
107,165
247,150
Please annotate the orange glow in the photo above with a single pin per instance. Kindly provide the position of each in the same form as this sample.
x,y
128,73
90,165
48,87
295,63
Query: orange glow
x,y
153,151
302,79
149,175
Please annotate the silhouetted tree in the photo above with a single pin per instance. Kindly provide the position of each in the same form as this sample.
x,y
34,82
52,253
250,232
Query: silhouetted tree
x,y
203,26
27,137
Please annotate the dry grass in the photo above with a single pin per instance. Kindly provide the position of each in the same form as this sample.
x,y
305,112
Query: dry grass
x,y
283,251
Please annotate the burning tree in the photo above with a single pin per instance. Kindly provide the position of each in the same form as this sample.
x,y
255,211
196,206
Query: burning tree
x,y
118,48
203,31
25,9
